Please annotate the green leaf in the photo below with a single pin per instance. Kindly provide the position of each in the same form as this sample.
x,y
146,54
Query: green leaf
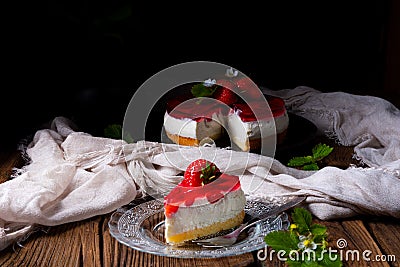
x,y
318,229
328,262
300,161
311,167
127,137
287,241
310,264
302,218
291,263
199,90
320,151
113,131
309,163
281,240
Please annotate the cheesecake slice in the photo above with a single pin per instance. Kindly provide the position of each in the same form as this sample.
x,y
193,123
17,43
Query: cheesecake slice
x,y
204,203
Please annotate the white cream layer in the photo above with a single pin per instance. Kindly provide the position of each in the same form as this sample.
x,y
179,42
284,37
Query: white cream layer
x,y
192,129
254,129
241,132
202,213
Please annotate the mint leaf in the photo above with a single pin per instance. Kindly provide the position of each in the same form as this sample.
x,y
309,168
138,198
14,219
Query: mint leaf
x,y
309,163
320,151
311,167
199,90
113,131
281,240
300,161
318,229
302,218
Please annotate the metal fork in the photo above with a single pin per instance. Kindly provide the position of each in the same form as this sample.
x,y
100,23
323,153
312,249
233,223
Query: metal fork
x,y
231,238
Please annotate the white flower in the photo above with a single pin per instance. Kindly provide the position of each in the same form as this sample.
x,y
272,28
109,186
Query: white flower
x,y
231,72
306,243
209,82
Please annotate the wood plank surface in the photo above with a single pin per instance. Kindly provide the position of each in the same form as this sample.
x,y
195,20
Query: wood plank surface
x,y
387,234
8,161
356,238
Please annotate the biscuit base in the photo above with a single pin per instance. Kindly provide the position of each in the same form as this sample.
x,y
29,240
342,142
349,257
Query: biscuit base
x,y
187,141
205,231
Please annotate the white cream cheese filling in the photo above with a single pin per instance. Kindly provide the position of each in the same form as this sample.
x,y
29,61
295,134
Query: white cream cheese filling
x,y
241,132
202,213
199,130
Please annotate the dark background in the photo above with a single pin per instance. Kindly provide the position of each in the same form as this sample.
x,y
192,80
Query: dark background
x,y
89,57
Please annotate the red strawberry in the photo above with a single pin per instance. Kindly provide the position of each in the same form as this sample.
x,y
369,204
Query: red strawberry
x,y
200,172
249,88
225,95
224,92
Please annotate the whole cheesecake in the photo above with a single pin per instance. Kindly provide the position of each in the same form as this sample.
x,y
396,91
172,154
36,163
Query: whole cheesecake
x,y
190,118
204,203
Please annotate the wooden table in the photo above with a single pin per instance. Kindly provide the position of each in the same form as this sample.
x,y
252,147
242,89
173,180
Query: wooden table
x,y
89,243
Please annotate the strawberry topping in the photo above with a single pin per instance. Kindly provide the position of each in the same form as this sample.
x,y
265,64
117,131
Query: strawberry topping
x,y
193,108
251,112
200,172
257,110
202,178
224,92
226,96
170,209
276,104
186,196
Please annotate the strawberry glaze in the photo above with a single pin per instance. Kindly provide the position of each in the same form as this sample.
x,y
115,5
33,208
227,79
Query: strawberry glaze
x,y
186,107
214,191
256,110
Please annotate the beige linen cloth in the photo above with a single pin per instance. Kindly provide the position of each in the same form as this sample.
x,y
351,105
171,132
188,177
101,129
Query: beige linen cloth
x,y
73,176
